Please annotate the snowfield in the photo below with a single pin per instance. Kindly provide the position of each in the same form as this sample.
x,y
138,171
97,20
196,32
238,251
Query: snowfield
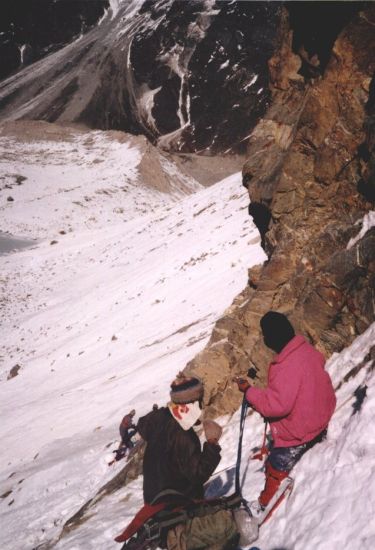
x,y
120,289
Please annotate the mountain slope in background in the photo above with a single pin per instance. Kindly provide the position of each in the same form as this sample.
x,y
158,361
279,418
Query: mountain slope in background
x,y
155,68
193,76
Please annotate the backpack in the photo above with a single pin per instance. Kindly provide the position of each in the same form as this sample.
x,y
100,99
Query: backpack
x,y
150,526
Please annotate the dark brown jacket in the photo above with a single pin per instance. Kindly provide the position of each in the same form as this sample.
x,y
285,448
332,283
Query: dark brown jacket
x,y
173,458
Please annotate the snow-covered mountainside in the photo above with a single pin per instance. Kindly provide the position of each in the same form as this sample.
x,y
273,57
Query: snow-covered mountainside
x,y
120,290
100,322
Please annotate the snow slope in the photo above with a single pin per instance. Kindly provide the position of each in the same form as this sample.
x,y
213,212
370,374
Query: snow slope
x,y
333,502
102,320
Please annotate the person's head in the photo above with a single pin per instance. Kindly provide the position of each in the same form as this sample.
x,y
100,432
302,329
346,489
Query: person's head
x,y
277,330
186,400
132,412
186,389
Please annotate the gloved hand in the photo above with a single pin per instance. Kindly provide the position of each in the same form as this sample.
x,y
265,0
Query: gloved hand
x,y
212,431
242,383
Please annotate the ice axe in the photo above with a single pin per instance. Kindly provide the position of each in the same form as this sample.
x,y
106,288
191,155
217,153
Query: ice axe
x,y
251,373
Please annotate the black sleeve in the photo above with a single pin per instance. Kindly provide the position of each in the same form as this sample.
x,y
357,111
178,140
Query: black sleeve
x,y
195,464
154,422
144,425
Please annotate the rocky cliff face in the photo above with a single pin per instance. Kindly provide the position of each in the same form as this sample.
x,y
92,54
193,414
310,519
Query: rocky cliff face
x,y
310,176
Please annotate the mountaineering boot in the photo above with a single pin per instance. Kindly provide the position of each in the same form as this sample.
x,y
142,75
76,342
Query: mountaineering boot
x,y
264,513
273,479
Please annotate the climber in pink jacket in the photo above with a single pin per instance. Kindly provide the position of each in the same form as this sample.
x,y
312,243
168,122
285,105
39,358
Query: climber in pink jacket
x,y
298,401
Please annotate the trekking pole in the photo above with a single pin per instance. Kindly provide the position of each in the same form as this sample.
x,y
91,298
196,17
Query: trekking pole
x,y
244,408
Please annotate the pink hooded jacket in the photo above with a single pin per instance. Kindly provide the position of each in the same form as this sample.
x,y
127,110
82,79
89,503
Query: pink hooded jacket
x,y
299,399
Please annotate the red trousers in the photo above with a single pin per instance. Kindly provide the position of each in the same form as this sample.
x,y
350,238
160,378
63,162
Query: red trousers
x,y
273,479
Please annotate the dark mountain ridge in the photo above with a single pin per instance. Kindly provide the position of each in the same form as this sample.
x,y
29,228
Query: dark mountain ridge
x,y
191,76
31,29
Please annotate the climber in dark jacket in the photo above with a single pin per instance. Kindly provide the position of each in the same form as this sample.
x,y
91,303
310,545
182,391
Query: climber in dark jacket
x,y
176,467
173,458
127,430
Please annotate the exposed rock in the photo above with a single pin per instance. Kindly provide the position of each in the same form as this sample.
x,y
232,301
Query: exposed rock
x,y
14,372
284,64
128,473
131,470
368,361
208,169
302,172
